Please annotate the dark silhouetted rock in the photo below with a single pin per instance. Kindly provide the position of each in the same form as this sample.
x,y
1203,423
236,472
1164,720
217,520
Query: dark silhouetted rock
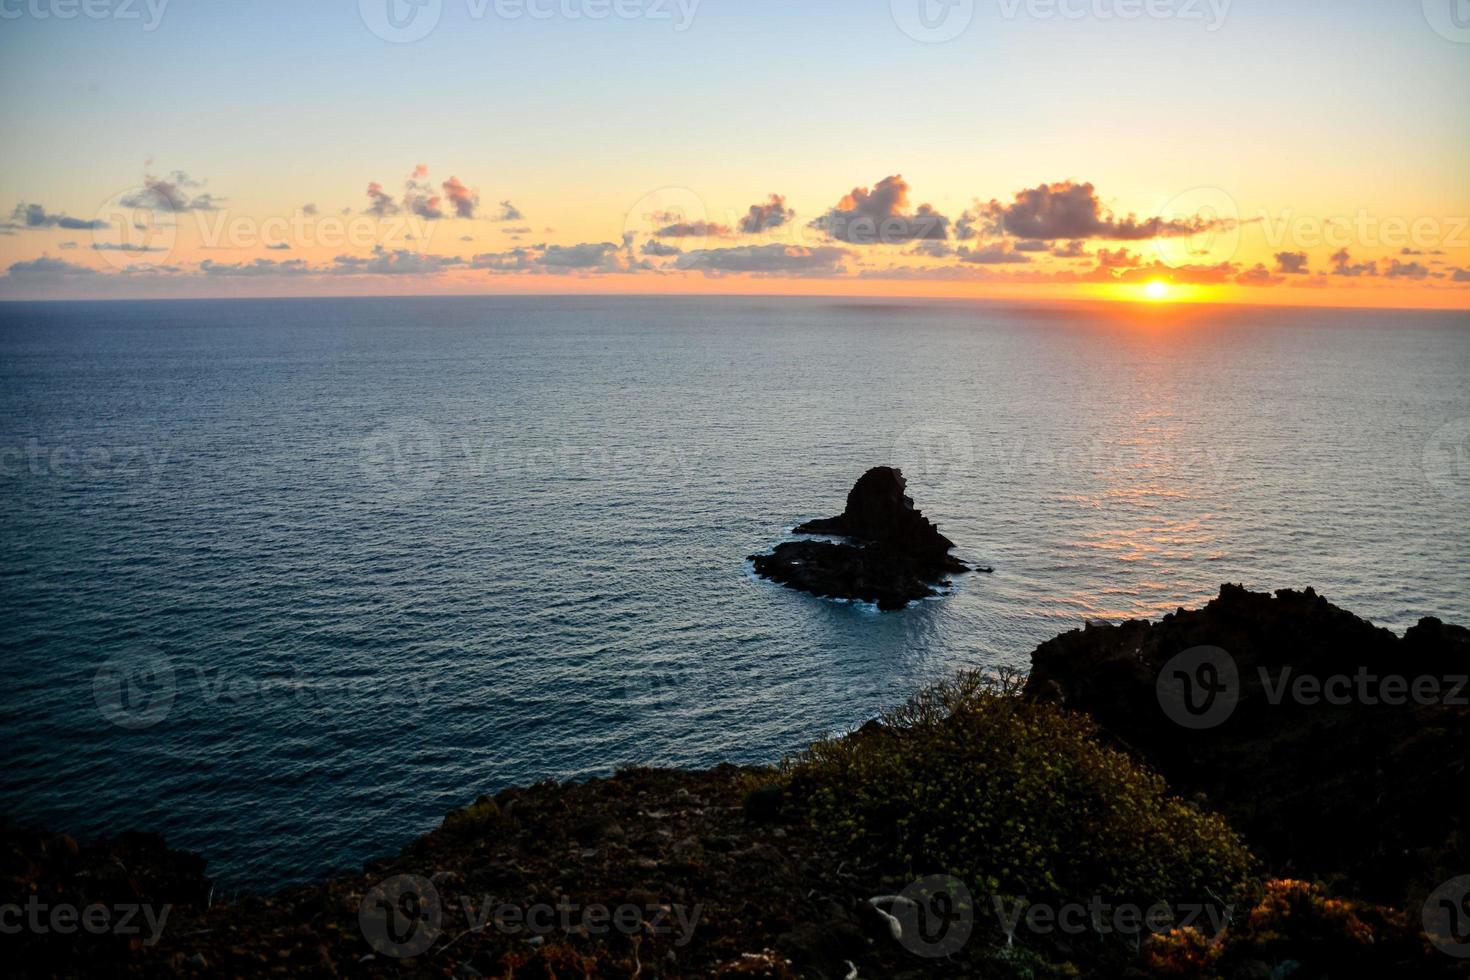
x,y
1339,783
893,554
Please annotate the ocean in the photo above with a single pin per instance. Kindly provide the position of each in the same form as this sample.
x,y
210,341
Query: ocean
x,y
286,580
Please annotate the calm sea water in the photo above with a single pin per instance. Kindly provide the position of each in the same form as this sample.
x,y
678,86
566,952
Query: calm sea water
x,y
287,580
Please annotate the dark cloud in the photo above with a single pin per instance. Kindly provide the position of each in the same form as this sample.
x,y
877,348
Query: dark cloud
x,y
768,259
123,247
1187,275
308,209
1259,275
1119,258
464,201
47,266
996,253
1407,270
1343,265
35,216
932,249
1032,245
420,198
260,267
589,255
508,212
515,260
659,249
763,217
381,203
1075,249
1292,263
399,262
279,247
1461,275
1072,211
516,230
175,193
693,229
877,216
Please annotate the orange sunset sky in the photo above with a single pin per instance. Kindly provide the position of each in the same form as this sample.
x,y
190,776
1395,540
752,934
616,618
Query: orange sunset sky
x,y
1242,152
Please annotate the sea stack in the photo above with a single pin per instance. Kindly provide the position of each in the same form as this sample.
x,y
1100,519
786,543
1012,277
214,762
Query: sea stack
x,y
892,555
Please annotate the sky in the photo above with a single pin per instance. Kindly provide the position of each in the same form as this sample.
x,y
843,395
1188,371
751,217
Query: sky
x,y
1254,151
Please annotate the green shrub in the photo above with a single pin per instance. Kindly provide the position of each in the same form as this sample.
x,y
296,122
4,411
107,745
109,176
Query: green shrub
x,y
1016,799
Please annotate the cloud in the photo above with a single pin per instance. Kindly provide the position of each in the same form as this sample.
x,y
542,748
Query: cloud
x,y
381,203
35,216
399,262
508,212
308,209
171,193
1193,275
877,216
260,267
659,249
47,266
932,249
1292,263
516,230
1072,211
1259,275
1407,270
1343,265
123,247
763,217
1461,275
996,253
767,259
279,247
1119,258
693,229
464,201
1075,249
515,260
419,197
589,255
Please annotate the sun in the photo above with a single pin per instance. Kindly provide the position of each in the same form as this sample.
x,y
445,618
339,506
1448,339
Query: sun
x,y
1157,291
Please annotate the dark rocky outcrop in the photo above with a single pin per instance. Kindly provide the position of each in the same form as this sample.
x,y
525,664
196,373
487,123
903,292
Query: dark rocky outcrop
x,y
1369,797
893,554
1355,790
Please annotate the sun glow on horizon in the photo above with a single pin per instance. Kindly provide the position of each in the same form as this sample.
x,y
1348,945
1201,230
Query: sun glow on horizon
x,y
1157,291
